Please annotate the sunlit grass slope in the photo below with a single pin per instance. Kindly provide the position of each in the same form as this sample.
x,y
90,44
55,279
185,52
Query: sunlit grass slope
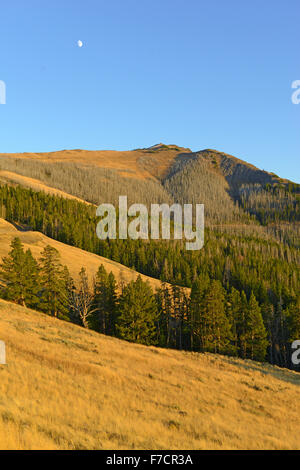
x,y
72,257
67,388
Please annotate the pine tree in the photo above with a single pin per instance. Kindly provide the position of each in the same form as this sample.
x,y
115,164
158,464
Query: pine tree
x,y
216,333
137,320
268,314
32,281
105,302
19,274
255,331
72,314
241,325
234,314
53,285
199,289
179,316
164,305
281,335
293,313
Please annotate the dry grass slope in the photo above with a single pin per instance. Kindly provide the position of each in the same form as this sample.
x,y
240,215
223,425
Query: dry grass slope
x,y
72,257
126,163
67,388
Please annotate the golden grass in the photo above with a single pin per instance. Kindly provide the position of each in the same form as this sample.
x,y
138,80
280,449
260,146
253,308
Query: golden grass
x,y
74,258
126,163
68,388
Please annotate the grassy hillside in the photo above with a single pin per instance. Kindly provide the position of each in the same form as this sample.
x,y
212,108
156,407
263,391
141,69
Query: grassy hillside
x,y
140,163
72,257
68,388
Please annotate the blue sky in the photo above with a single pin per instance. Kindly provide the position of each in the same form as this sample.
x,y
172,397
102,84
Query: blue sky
x,y
198,74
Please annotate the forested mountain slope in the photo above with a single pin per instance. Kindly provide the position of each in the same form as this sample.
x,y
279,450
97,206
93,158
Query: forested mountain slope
x,y
247,272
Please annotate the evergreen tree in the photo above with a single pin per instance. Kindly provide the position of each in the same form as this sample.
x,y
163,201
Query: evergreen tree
x,y
179,317
216,334
70,290
293,313
105,302
255,331
54,294
137,320
199,289
241,325
19,274
268,314
234,314
32,281
280,333
164,305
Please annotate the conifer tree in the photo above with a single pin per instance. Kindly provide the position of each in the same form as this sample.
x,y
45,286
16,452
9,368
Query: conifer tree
x,y
32,281
19,274
199,289
72,314
105,301
179,316
293,313
281,335
137,320
255,331
268,314
234,314
164,305
54,294
216,334
241,325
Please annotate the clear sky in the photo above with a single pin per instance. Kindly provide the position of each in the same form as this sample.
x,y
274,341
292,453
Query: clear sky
x,y
199,74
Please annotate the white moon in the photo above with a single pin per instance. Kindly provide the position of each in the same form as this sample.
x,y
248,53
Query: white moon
x,y
79,43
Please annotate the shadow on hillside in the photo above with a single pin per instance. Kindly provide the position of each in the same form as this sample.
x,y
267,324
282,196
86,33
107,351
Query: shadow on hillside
x,y
240,174
21,227
282,374
179,163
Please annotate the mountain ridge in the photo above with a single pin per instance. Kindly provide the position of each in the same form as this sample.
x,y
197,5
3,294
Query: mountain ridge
x,y
101,157
232,190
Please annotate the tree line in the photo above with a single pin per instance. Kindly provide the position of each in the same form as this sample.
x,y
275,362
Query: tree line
x,y
209,318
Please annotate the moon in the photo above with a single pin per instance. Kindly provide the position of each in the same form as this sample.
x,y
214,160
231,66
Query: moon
x,y
79,43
